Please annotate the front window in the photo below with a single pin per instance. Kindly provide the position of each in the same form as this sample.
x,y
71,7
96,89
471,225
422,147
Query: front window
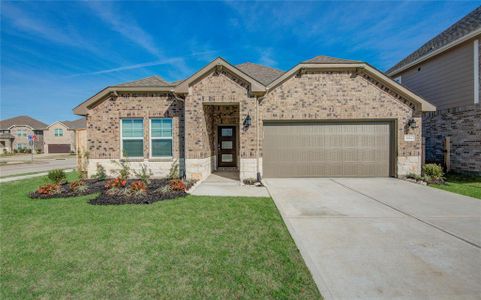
x,y
133,137
21,132
58,132
161,137
21,146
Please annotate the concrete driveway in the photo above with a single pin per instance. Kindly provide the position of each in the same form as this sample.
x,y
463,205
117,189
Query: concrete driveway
x,y
383,238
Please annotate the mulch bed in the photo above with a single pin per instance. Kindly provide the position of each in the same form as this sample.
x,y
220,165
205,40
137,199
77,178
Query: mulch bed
x,y
94,186
148,198
153,193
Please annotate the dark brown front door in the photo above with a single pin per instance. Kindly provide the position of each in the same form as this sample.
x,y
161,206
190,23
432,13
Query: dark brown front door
x,y
226,145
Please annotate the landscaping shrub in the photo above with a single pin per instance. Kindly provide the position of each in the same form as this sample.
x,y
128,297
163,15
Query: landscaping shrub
x,y
433,171
174,171
124,172
144,174
177,185
38,151
100,173
116,183
138,188
78,186
250,181
57,176
49,189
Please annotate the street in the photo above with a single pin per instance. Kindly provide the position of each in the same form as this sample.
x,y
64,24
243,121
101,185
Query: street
x,y
22,164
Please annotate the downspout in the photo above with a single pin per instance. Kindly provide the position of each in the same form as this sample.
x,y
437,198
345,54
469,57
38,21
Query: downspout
x,y
258,99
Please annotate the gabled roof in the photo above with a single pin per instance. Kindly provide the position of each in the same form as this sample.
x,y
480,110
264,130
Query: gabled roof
x,y
464,29
22,120
148,81
263,74
255,85
371,71
76,124
322,59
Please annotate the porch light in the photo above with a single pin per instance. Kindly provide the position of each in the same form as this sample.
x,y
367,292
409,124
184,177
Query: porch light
x,y
247,121
412,123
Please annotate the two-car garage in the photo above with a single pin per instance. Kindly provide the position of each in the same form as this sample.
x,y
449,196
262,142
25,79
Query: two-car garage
x,y
325,149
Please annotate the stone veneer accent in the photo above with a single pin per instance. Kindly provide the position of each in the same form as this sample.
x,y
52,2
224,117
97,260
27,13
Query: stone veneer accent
x,y
463,126
103,125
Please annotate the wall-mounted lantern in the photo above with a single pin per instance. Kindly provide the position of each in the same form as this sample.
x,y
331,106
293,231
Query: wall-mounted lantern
x,y
247,122
412,123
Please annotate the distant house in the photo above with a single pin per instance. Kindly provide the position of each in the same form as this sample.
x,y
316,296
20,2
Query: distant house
x,y
62,136
14,133
446,72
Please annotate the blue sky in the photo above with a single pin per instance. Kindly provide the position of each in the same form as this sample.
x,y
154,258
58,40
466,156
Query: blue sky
x,y
54,55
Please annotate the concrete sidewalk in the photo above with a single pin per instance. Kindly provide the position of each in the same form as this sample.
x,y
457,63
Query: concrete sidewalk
x,y
21,177
383,238
227,184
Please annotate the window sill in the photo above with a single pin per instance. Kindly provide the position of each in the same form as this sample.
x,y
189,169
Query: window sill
x,y
160,159
133,159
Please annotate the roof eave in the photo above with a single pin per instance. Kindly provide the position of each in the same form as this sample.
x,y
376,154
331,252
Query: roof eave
x,y
183,87
82,108
436,52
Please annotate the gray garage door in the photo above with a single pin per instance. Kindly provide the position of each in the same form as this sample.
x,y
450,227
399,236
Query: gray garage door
x,y
327,149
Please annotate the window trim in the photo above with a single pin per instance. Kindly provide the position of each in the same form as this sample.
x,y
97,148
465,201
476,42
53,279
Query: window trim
x,y
131,138
161,138
59,130
21,132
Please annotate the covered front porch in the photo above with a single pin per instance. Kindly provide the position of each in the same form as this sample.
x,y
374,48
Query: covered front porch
x,y
219,136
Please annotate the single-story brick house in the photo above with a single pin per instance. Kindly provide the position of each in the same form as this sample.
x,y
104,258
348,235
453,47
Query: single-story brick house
x,y
323,117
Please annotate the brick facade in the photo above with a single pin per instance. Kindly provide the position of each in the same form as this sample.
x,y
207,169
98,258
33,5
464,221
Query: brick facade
x,y
67,138
463,126
219,97
103,127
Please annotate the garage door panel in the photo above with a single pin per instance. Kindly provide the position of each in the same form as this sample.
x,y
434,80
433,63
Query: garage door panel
x,y
58,148
312,150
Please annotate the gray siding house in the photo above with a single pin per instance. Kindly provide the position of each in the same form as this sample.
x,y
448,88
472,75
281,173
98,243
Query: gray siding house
x,y
446,72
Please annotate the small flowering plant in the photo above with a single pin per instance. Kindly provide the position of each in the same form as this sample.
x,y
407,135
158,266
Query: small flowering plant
x,y
138,186
49,189
78,186
118,182
177,185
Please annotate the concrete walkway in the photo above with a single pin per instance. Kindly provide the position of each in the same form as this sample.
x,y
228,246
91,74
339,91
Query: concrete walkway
x,y
227,184
383,238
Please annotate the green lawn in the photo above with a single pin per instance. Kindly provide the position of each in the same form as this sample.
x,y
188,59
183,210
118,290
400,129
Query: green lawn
x,y
190,248
464,185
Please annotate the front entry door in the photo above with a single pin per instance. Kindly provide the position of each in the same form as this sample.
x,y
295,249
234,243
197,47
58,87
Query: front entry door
x,y
226,146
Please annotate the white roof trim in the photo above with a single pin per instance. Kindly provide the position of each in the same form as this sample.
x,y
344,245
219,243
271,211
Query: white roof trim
x,y
183,87
436,52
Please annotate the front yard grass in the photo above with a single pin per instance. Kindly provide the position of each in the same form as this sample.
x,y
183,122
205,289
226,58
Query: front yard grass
x,y
464,185
188,248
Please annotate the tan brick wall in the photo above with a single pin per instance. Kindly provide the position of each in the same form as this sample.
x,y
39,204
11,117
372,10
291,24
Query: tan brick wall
x,y
103,122
341,96
67,138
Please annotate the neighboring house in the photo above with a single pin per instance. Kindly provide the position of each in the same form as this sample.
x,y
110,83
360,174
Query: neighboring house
x,y
14,133
324,117
446,72
61,136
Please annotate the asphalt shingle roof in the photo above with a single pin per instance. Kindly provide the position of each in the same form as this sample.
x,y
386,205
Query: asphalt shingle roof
x,y
22,120
148,81
263,74
466,25
76,124
322,59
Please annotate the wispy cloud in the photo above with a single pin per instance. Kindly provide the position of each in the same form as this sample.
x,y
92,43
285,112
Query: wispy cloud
x,y
32,26
125,25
